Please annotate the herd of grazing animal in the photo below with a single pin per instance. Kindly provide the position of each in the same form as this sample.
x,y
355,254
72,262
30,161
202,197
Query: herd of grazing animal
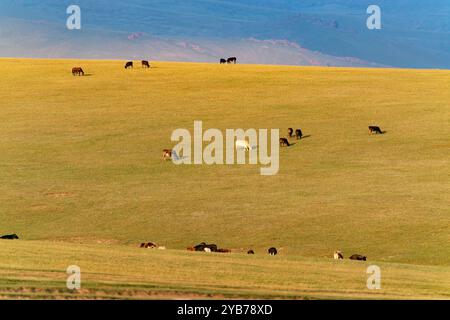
x,y
228,61
167,154
78,71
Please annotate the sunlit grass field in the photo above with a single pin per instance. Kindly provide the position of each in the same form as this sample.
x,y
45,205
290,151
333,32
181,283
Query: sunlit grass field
x,y
81,170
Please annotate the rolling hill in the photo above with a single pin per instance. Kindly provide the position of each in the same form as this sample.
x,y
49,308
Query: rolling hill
x,y
81,169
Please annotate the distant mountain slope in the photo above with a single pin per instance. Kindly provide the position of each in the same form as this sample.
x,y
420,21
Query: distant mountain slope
x,y
415,33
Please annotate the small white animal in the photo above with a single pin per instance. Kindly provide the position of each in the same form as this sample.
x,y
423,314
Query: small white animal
x,y
162,248
338,255
242,144
207,250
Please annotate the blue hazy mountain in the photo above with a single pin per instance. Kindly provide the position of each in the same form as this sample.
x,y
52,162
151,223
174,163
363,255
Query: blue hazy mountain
x,y
415,33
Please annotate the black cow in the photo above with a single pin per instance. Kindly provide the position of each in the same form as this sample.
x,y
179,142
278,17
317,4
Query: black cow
x,y
203,245
273,251
358,257
223,61
145,64
232,60
10,237
284,142
375,129
298,134
129,64
290,132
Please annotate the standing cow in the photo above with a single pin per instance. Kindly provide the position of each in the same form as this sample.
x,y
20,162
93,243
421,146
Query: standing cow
x,y
129,64
223,61
232,60
77,71
145,64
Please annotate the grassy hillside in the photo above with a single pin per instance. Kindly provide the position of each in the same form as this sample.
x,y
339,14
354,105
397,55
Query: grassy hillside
x,y
35,269
80,158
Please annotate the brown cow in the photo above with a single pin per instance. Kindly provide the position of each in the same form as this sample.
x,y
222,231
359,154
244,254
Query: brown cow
x,y
77,71
167,154
145,64
284,142
290,132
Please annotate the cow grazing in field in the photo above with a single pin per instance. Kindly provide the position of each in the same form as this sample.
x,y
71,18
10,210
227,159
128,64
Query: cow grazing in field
x,y
145,64
290,132
223,61
10,237
243,144
375,129
167,154
232,60
358,257
77,71
338,255
298,134
284,142
129,64
250,252
202,246
148,245
273,251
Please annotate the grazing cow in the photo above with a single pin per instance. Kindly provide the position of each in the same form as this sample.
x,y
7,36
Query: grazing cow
x,y
145,64
284,142
250,252
203,245
375,129
167,154
298,134
129,64
232,60
338,255
223,61
10,237
77,71
358,257
290,132
148,245
273,251
243,144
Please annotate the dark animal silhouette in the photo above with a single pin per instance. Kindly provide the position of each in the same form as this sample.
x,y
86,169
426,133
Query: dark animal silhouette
x,y
10,237
358,257
129,64
250,252
290,132
150,245
167,154
232,60
273,251
77,71
375,129
298,134
284,142
145,64
203,245
223,61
